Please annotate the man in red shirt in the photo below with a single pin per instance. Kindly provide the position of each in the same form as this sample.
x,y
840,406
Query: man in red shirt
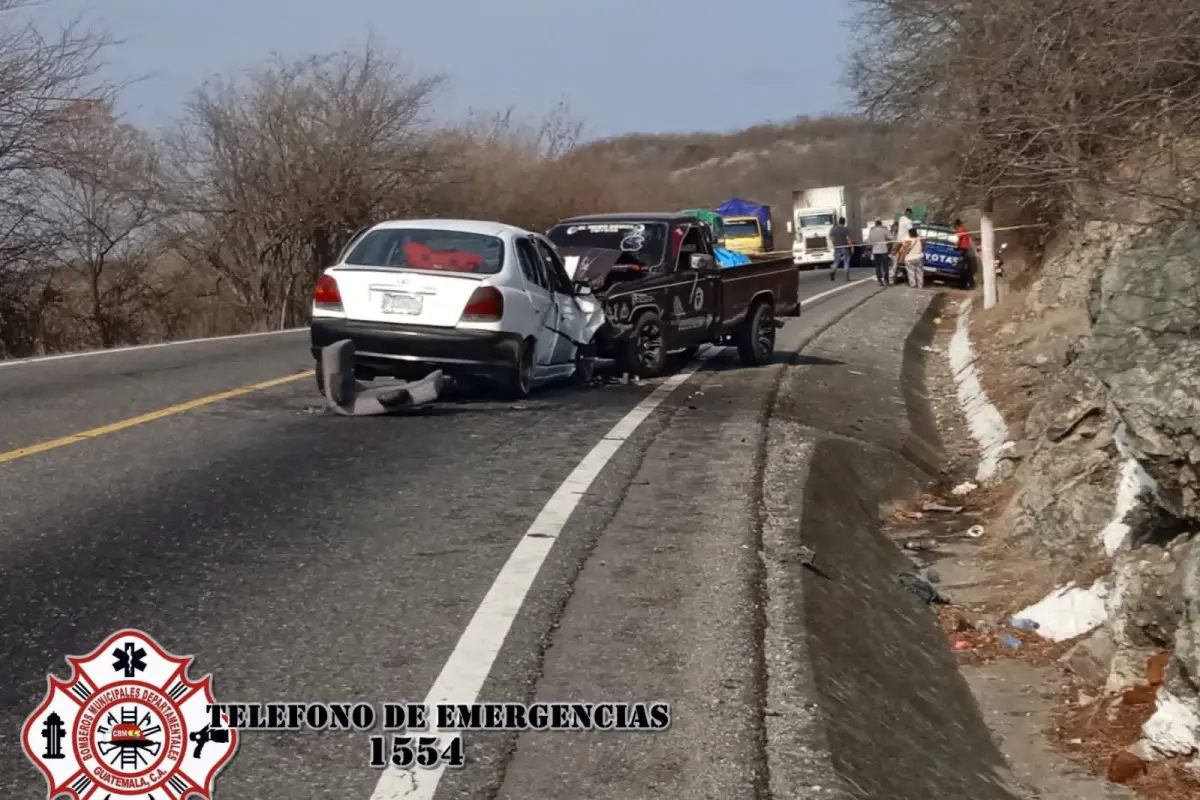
x,y
966,250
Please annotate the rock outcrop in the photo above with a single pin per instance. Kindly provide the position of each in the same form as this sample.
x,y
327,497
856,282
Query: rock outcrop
x,y
1112,446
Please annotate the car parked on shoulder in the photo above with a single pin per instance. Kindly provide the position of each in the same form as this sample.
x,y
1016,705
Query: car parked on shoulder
x,y
469,298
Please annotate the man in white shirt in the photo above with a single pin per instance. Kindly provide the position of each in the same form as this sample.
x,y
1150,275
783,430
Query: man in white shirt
x,y
903,226
878,238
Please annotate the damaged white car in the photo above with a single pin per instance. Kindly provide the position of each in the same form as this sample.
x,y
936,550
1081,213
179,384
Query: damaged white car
x,y
469,298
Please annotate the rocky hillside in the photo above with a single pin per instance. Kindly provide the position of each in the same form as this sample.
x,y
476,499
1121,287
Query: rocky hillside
x,y
1104,402
766,162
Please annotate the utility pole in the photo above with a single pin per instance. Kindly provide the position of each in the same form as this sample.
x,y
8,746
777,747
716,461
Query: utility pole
x,y
987,237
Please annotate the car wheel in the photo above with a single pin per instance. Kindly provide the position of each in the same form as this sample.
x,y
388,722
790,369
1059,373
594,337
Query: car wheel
x,y
646,354
585,365
520,380
320,375
756,338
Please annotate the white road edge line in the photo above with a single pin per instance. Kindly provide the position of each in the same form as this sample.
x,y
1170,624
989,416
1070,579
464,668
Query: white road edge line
x,y
465,672
467,669
14,362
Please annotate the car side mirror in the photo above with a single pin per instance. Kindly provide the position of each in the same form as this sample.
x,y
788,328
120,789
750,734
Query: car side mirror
x,y
700,261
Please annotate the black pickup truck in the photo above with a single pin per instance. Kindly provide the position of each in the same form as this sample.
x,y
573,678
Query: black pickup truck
x,y
663,291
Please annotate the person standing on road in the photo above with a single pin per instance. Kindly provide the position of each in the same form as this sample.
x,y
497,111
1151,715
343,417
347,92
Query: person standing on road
x,y
903,226
912,254
843,248
878,237
966,251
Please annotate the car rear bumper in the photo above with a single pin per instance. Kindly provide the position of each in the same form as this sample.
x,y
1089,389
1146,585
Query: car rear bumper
x,y
403,349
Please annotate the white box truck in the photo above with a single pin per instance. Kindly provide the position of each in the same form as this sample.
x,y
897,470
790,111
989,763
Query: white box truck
x,y
814,212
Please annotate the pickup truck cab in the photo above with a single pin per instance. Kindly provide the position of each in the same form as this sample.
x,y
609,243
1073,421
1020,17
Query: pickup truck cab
x,y
663,291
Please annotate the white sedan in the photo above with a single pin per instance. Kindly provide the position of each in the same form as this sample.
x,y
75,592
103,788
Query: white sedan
x,y
467,297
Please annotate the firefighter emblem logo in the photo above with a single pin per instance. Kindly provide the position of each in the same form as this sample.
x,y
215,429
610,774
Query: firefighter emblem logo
x,y
128,723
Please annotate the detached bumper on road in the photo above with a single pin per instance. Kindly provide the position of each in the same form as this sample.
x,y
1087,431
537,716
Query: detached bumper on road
x,y
402,349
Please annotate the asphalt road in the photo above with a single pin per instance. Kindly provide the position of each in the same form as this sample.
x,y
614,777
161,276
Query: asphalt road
x,y
307,557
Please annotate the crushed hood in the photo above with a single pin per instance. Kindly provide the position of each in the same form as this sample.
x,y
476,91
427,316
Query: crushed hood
x,y
590,265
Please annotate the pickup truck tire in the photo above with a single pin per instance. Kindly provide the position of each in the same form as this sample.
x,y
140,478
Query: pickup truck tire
x,y
645,351
519,380
756,338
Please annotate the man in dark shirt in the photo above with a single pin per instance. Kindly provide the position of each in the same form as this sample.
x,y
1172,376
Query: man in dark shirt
x,y
843,248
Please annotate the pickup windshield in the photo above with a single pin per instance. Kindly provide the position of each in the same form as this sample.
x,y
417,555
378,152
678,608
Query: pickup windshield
x,y
433,250
741,229
645,241
816,221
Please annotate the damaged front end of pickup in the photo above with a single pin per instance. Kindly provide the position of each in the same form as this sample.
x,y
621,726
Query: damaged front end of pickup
x,y
604,274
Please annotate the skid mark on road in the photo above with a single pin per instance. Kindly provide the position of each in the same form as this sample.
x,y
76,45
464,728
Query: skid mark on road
x,y
114,427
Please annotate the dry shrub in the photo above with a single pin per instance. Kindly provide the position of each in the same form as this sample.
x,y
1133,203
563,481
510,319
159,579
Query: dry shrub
x,y
1069,107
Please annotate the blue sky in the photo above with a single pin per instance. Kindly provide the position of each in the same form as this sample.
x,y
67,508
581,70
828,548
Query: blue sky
x,y
748,61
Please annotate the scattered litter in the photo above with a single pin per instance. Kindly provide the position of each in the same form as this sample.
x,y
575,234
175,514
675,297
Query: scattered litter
x,y
1023,624
917,545
964,488
1012,642
932,576
905,514
975,531
1069,612
922,589
807,555
940,507
854,372
962,644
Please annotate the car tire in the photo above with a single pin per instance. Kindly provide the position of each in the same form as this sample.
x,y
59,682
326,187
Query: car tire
x,y
519,381
756,337
320,376
646,352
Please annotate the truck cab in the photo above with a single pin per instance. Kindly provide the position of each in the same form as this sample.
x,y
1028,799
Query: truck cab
x,y
744,235
810,237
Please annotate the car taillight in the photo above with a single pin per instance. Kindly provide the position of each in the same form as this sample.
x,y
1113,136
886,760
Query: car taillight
x,y
326,293
486,305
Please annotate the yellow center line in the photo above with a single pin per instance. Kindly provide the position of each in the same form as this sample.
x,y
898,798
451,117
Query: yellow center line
x,y
83,436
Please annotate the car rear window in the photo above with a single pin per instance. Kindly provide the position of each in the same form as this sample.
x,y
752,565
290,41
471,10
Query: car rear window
x,y
433,250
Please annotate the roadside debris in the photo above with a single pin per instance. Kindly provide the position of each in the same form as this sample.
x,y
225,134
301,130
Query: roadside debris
x,y
964,488
922,589
1022,624
940,507
919,545
975,531
349,398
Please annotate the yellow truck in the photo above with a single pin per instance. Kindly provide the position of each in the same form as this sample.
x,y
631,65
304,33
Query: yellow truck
x,y
747,226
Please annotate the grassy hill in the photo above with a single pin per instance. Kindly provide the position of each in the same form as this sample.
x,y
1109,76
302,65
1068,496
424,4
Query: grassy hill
x,y
766,162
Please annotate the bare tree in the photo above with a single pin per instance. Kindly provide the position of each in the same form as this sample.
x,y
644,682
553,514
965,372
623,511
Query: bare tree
x,y
38,76
1048,101
103,201
273,173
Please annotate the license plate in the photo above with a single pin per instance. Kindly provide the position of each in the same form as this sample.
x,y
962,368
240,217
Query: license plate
x,y
399,303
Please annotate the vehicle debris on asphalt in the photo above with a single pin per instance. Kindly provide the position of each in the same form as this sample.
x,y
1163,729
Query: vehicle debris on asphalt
x,y
350,398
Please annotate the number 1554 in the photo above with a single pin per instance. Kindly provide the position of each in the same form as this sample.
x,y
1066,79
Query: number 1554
x,y
423,752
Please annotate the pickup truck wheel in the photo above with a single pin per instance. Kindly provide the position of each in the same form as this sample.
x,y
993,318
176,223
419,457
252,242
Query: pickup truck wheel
x,y
518,382
646,355
756,339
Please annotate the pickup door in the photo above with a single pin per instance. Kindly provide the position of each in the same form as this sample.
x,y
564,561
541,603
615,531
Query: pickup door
x,y
739,287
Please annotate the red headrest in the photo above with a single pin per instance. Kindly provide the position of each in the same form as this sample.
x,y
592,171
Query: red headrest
x,y
422,256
